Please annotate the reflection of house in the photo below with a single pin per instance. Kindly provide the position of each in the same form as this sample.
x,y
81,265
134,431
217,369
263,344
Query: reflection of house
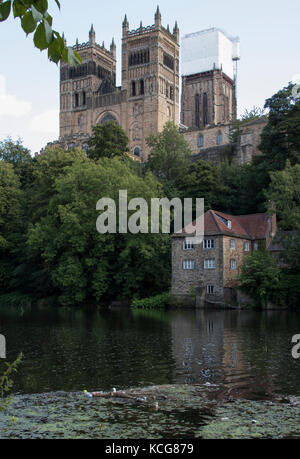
x,y
210,269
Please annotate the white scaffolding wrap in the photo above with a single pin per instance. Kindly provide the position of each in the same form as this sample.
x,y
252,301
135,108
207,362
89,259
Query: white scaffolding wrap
x,y
209,49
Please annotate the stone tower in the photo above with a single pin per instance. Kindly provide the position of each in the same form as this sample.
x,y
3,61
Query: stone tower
x,y
96,73
208,82
208,98
150,76
147,99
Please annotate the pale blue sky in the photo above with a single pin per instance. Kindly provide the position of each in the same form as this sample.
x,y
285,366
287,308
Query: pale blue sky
x,y
268,31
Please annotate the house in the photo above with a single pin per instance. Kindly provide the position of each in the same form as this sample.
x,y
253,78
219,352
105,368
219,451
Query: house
x,y
210,269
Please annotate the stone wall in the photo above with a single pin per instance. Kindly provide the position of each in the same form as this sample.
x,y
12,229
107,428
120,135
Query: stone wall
x,y
249,140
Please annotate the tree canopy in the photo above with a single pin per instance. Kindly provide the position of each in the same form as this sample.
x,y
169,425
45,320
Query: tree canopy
x,y
107,141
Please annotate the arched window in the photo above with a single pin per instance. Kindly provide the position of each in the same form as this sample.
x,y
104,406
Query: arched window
x,y
137,151
142,87
76,100
200,140
108,117
83,97
220,138
133,88
197,110
205,111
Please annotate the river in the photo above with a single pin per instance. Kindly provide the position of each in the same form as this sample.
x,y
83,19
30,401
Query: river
x,y
246,354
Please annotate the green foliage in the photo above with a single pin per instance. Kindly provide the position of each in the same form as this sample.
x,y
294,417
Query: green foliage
x,y
280,139
13,152
35,19
169,158
284,195
83,264
6,382
108,141
154,302
260,276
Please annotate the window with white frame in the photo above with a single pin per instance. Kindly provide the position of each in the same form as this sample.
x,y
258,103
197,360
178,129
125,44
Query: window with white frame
x,y
246,247
232,244
210,289
208,243
210,263
188,244
189,264
232,264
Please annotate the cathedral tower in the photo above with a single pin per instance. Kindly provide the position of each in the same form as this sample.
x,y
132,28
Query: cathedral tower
x,y
96,73
150,75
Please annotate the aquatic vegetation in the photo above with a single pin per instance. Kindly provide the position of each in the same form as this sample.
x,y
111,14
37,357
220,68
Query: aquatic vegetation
x,y
170,411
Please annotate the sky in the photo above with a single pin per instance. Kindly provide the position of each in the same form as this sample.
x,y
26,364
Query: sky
x,y
29,83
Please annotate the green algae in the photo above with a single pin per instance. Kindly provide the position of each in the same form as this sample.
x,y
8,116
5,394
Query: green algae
x,y
184,411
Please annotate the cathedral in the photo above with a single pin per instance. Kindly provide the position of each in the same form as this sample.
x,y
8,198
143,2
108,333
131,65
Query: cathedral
x,y
149,94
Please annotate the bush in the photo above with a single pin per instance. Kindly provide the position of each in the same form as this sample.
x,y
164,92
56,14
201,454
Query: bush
x,y
154,302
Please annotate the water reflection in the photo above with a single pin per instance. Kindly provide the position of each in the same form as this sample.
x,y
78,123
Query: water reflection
x,y
247,352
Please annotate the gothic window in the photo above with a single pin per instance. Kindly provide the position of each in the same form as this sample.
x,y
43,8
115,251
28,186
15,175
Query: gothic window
x,y
197,110
205,110
137,151
142,87
167,91
133,88
83,98
169,61
200,140
76,100
138,58
108,117
220,138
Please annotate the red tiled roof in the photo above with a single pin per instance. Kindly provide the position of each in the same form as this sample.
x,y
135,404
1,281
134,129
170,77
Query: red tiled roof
x,y
253,226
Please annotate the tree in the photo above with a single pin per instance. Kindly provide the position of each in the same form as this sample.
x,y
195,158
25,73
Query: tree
x,y
13,152
84,265
260,277
284,196
108,141
11,223
169,157
35,18
280,140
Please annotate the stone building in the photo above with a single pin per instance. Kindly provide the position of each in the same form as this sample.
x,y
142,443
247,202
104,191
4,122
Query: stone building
x,y
147,98
249,140
208,270
149,93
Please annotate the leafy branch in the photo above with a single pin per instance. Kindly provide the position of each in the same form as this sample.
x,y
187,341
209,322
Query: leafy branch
x,y
35,19
6,382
